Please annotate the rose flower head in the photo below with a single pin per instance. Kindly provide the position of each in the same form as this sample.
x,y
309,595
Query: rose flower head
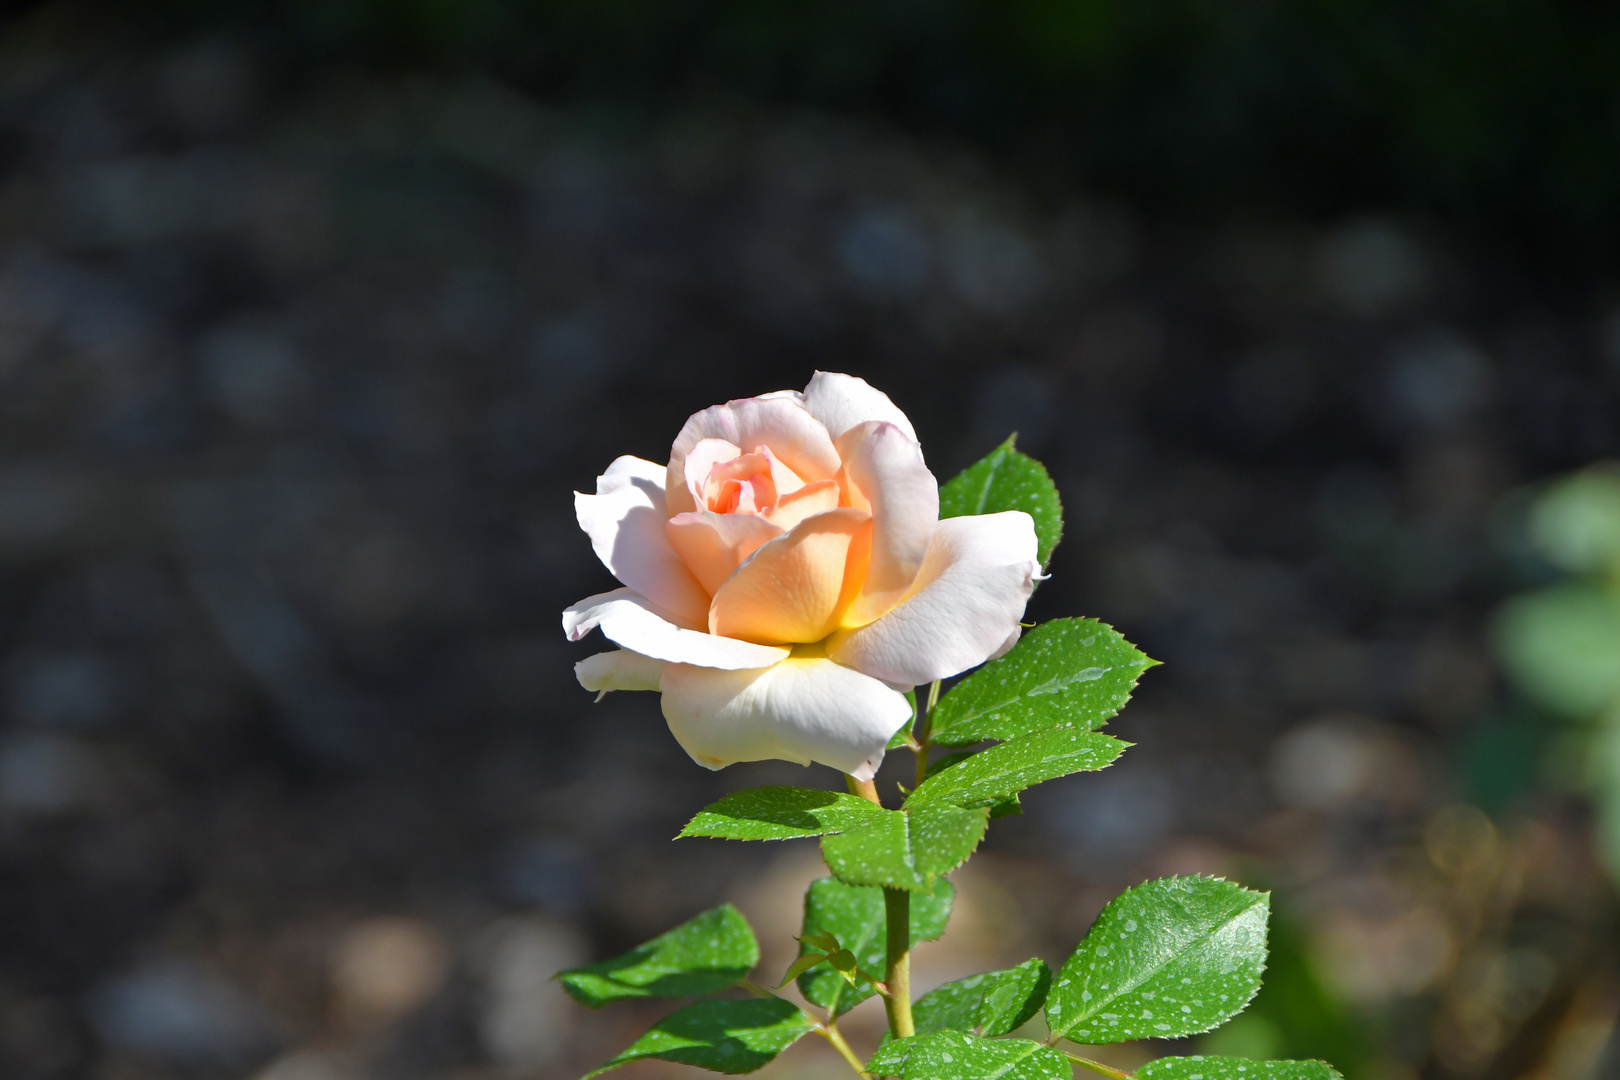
x,y
787,576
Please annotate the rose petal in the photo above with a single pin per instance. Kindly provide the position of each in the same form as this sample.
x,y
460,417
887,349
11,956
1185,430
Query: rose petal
x,y
618,669
803,709
714,545
631,621
795,438
842,401
795,588
625,521
884,473
701,461
807,501
966,603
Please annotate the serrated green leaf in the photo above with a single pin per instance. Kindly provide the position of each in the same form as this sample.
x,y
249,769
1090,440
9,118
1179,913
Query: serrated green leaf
x,y
722,1036
951,1055
854,914
781,813
702,955
1204,1067
991,776
990,1004
1002,808
1067,672
1172,957
1007,480
906,849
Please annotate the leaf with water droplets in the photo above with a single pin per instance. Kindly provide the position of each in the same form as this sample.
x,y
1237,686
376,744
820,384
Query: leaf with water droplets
x,y
1007,480
721,1036
1067,672
704,954
990,777
906,849
854,914
1204,1067
993,1003
952,1055
781,813
1172,957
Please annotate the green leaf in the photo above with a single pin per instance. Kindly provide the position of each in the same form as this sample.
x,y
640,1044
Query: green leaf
x,y
1172,957
1007,480
951,1055
1067,672
1003,808
990,776
990,1004
906,849
855,916
704,954
781,813
1203,1067
722,1036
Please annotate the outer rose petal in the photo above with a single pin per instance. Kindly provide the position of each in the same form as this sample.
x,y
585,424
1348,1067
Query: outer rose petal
x,y
618,669
803,709
796,588
797,439
885,468
625,521
842,401
965,605
634,623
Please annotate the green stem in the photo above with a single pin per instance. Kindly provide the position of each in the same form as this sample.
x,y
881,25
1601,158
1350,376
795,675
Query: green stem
x,y
897,913
831,1033
1097,1066
897,909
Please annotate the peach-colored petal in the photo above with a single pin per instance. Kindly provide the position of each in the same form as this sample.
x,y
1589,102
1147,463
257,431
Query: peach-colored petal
x,y
787,481
842,401
741,485
713,545
808,500
797,439
700,462
625,521
963,609
795,588
884,472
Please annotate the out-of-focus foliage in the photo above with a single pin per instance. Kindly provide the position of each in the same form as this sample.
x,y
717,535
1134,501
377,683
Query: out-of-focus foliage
x,y
1500,113
1560,644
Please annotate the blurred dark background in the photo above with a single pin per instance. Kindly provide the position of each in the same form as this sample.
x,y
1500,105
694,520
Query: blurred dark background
x,y
313,313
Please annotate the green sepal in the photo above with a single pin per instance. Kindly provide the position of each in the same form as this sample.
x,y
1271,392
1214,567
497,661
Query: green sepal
x,y
1007,480
903,736
1205,1067
855,915
721,1036
1067,672
1168,958
991,776
952,1055
990,1004
704,954
906,849
781,813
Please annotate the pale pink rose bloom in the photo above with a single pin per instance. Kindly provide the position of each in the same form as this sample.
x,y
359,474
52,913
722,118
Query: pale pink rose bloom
x,y
787,576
